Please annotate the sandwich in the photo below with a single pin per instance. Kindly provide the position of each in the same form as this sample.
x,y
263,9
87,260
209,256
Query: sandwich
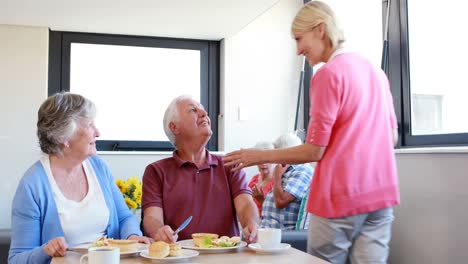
x,y
202,239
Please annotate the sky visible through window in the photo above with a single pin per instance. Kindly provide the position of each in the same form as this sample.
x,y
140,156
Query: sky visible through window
x,y
132,86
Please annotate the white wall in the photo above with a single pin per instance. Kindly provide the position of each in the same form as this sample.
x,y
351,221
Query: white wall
x,y
431,223
23,86
261,78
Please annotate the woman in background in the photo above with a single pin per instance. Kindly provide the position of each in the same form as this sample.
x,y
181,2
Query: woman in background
x,y
351,134
68,197
262,183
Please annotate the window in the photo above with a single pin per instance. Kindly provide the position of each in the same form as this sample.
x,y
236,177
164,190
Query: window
x,y
132,80
427,72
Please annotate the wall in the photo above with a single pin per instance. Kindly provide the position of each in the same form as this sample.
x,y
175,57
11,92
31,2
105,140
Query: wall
x,y
23,86
430,223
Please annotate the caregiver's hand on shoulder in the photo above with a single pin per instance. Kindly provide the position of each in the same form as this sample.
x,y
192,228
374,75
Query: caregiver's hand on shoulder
x,y
243,158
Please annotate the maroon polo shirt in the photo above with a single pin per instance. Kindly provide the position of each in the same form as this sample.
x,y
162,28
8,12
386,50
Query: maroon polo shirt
x,y
207,193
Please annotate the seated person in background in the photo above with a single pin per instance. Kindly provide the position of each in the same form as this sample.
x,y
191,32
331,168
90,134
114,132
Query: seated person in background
x,y
291,183
194,182
68,197
262,183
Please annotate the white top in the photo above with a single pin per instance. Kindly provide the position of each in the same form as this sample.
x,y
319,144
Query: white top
x,y
84,221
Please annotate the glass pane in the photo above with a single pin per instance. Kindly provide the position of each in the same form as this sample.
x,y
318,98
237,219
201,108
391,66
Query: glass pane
x,y
437,67
361,21
132,86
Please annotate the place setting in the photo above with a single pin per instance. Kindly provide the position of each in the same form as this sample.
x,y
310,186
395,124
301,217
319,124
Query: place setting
x,y
269,242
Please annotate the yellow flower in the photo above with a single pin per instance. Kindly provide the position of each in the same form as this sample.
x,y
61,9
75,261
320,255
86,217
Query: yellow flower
x,y
131,190
122,185
130,203
133,181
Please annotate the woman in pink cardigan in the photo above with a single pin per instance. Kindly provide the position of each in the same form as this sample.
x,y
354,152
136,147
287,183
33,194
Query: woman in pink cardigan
x,y
351,134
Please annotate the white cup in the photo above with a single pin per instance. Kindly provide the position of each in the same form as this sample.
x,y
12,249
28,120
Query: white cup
x,y
269,238
102,255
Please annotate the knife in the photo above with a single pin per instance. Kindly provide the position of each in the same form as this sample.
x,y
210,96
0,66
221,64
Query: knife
x,y
78,250
183,225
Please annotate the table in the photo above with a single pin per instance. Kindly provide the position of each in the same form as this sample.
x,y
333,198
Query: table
x,y
240,256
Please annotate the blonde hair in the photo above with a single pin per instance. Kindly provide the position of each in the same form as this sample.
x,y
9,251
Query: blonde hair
x,y
314,13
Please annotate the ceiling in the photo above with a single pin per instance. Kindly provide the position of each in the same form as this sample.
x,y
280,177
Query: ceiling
x,y
198,19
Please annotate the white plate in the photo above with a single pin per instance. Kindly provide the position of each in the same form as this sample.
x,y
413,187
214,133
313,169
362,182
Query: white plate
x,y
184,254
259,249
140,247
189,244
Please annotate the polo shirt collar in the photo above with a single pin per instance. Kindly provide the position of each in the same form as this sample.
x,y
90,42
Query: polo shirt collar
x,y
210,160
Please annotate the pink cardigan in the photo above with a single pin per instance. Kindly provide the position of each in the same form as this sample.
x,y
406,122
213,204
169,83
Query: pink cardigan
x,y
352,115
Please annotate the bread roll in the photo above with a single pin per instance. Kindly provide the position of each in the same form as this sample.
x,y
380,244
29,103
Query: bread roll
x,y
199,238
159,249
124,245
175,250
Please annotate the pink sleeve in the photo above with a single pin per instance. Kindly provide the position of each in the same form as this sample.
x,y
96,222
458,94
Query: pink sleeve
x,y
324,105
390,105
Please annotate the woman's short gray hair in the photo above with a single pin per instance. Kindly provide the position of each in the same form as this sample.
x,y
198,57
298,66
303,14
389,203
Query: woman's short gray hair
x,y
311,15
286,141
264,145
172,115
58,118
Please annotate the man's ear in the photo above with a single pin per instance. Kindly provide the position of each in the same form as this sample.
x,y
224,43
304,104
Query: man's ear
x,y
174,128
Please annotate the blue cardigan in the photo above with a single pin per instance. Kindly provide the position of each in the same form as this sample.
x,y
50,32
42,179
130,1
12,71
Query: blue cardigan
x,y
35,220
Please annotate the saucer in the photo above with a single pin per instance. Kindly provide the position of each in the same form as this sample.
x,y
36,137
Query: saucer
x,y
257,248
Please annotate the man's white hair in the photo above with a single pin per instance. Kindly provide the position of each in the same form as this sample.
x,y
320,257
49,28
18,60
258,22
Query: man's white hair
x,y
172,115
287,140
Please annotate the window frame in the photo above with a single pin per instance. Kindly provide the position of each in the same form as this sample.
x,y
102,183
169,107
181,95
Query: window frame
x,y
399,76
59,76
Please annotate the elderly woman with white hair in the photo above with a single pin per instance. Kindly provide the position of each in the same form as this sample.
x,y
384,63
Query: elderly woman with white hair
x,y
68,197
291,183
262,183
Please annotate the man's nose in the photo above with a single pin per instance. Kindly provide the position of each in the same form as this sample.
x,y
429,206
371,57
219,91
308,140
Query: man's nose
x,y
202,112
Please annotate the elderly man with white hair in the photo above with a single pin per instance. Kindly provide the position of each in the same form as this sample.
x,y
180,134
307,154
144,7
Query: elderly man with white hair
x,y
194,182
291,183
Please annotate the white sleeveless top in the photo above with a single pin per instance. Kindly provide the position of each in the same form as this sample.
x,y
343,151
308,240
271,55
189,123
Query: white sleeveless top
x,y
83,221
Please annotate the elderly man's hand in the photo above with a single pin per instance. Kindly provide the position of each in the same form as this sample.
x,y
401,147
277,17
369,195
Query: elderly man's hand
x,y
279,170
250,232
165,234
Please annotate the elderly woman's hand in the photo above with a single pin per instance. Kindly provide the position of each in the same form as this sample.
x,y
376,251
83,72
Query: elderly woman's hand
x,y
56,247
140,239
257,193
